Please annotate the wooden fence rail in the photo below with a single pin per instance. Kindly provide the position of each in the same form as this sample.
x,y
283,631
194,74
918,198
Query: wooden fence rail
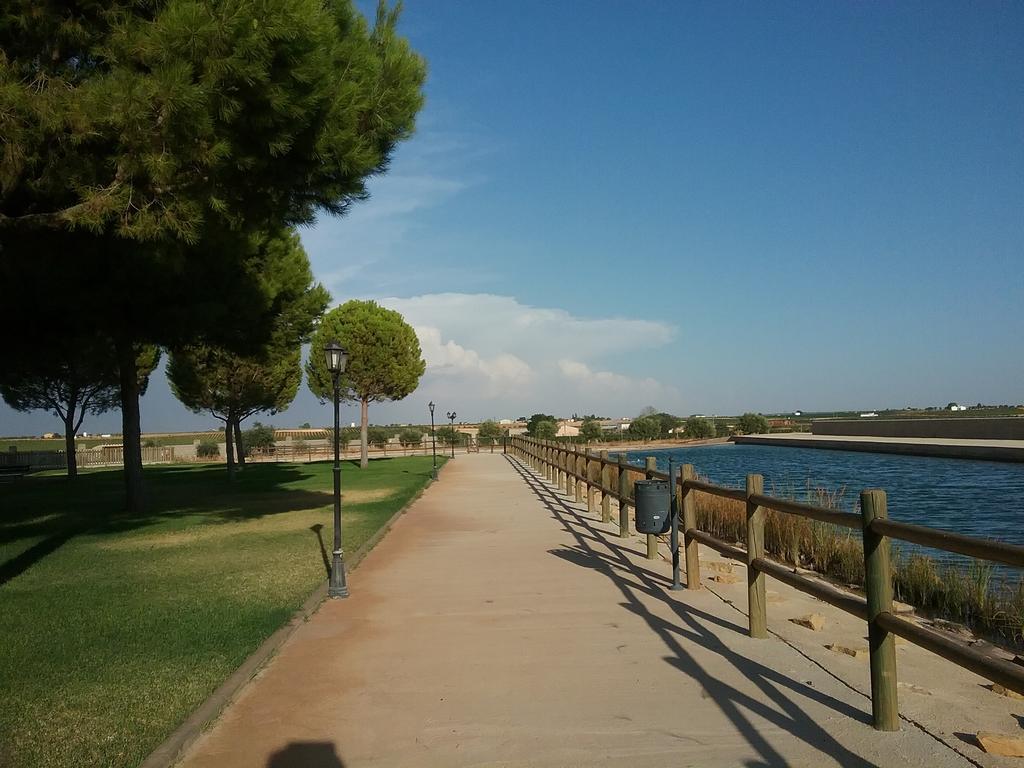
x,y
567,466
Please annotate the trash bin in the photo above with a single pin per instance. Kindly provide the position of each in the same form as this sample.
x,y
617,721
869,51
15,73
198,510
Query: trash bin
x,y
653,506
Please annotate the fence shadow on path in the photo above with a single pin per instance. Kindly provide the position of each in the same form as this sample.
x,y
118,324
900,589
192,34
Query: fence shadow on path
x,y
781,704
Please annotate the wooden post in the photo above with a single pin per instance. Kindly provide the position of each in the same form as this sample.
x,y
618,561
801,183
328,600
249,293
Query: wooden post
x,y
878,584
652,540
578,467
549,463
756,603
588,472
606,485
623,495
690,523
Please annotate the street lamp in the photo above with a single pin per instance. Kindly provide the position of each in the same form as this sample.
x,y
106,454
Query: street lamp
x,y
337,359
451,416
433,436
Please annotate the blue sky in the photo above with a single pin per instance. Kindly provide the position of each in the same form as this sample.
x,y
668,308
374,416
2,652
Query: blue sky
x,y
709,207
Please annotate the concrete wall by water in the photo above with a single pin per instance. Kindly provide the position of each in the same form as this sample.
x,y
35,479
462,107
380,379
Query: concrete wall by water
x,y
999,428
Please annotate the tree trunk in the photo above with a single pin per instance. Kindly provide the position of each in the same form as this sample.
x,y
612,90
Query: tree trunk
x,y
69,442
229,445
364,454
238,442
131,428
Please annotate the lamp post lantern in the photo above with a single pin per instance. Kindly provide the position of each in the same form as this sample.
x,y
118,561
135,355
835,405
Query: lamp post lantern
x,y
451,417
337,359
433,436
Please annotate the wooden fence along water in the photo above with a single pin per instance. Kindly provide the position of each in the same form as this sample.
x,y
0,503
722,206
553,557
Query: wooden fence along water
x,y
567,466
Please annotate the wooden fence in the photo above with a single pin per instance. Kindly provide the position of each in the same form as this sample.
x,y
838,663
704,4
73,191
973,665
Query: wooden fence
x,y
286,452
86,457
569,467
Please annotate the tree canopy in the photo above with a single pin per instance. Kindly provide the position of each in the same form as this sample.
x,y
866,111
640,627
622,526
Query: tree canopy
x,y
75,377
752,423
537,418
384,357
490,432
151,148
546,429
171,117
645,428
699,428
591,430
233,387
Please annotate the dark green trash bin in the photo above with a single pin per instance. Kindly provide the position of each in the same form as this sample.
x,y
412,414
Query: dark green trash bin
x,y
653,506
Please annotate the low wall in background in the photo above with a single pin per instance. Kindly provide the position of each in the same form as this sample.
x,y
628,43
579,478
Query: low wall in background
x,y
997,428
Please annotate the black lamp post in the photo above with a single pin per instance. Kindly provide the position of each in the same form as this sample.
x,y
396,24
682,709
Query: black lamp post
x,y
337,359
451,416
433,436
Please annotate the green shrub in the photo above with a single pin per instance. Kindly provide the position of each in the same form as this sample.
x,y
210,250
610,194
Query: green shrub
x,y
258,436
699,428
207,450
752,423
410,436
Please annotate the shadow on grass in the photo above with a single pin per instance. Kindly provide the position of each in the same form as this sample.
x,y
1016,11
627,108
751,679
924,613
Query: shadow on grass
x,y
57,509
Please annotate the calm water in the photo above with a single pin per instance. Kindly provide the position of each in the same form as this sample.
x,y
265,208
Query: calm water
x,y
980,498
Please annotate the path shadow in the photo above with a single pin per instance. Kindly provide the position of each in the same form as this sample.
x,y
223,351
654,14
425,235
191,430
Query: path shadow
x,y
306,754
779,700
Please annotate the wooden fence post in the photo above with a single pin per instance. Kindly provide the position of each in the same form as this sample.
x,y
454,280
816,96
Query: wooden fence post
x,y
756,604
579,468
623,495
690,523
652,540
588,472
878,584
606,485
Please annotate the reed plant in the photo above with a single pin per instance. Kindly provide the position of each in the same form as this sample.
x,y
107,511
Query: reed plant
x,y
969,592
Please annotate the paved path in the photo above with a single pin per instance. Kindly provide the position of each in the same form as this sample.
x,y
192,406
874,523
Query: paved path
x,y
498,625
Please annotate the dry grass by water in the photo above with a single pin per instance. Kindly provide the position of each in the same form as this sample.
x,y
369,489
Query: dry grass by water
x,y
971,593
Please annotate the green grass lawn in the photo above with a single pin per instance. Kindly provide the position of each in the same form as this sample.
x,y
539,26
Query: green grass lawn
x,y
114,628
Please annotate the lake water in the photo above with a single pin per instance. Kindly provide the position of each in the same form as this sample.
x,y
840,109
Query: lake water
x,y
979,498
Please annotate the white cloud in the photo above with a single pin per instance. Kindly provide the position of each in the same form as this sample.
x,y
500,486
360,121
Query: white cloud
x,y
495,355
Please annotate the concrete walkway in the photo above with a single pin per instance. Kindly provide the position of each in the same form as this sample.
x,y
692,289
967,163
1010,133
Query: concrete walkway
x,y
499,625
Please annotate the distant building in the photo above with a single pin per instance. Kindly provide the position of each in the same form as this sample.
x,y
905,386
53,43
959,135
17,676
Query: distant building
x,y
567,429
50,435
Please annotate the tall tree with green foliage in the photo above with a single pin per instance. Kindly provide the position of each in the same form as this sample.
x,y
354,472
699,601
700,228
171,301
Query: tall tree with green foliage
x,y
490,432
752,424
590,430
535,420
545,429
147,145
233,387
72,379
645,428
698,428
384,358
